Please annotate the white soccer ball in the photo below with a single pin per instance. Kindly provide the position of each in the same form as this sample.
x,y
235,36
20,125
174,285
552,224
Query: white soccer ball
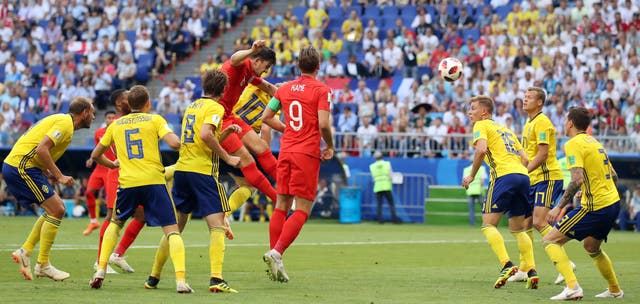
x,y
450,69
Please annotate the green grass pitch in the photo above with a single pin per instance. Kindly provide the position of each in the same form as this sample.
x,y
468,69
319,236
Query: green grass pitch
x,y
328,263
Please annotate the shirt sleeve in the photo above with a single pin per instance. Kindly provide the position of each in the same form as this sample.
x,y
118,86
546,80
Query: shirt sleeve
x,y
574,158
274,104
60,131
543,133
162,126
213,116
479,131
107,138
256,81
324,102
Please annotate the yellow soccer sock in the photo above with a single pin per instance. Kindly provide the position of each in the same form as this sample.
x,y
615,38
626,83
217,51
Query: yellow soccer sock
x,y
176,251
238,197
108,244
559,257
34,235
529,233
545,230
496,242
602,261
525,247
162,254
216,251
48,233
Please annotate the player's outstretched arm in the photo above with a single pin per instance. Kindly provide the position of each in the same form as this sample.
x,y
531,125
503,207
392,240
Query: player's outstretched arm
x,y
42,150
325,129
97,155
207,134
238,57
172,140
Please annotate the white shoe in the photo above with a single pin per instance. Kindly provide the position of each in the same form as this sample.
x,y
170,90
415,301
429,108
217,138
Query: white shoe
x,y
276,271
560,278
183,287
520,276
569,294
609,294
98,277
20,257
110,270
50,272
120,262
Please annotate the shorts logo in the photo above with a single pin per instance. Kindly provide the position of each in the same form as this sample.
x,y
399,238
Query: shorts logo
x,y
572,160
571,232
543,136
476,134
45,189
494,206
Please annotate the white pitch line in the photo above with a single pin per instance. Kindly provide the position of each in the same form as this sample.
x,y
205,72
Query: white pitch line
x,y
404,242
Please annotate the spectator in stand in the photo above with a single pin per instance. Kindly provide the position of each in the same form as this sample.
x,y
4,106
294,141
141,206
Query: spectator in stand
x,y
355,69
273,20
371,27
615,123
367,107
315,20
10,96
457,141
383,93
347,120
123,47
334,69
367,134
410,61
143,44
346,95
295,27
352,32
362,90
380,69
126,71
166,107
334,45
86,89
47,104
437,133
369,40
448,118
258,29
464,20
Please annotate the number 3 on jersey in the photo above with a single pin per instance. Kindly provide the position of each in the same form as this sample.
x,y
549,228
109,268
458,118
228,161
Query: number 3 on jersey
x,y
134,146
295,115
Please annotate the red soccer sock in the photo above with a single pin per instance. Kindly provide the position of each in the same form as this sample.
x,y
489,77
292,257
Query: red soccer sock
x,y
130,235
258,180
290,230
105,224
276,223
91,204
268,162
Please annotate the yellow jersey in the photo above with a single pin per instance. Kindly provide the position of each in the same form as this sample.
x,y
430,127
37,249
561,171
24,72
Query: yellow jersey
x,y
250,106
195,155
316,17
537,131
598,189
502,148
136,139
58,127
209,67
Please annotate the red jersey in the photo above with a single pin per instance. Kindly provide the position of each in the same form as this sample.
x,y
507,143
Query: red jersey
x,y
301,99
238,79
96,139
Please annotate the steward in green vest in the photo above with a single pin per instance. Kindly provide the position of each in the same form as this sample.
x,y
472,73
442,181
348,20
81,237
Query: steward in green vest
x,y
381,175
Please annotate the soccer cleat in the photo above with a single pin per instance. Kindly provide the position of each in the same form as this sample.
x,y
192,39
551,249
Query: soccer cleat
x,y
560,277
532,279
20,256
507,271
275,269
569,294
109,269
96,281
91,227
151,283
520,276
220,285
50,272
183,287
609,294
120,262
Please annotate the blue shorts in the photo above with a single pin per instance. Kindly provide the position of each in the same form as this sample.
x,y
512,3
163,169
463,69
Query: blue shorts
x,y
158,207
580,223
544,194
199,192
508,193
27,185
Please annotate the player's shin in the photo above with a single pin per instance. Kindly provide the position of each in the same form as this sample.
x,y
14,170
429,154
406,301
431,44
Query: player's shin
x,y
496,242
238,197
48,234
258,180
34,235
176,251
108,243
130,234
216,251
290,230
162,254
602,261
560,259
525,247
268,162
275,226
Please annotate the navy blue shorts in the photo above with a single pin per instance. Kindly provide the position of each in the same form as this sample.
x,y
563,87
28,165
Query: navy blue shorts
x,y
580,223
158,207
544,194
199,192
508,193
28,186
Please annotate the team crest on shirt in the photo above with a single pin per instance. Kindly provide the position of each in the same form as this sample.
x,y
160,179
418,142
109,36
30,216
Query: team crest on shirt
x,y
45,189
57,134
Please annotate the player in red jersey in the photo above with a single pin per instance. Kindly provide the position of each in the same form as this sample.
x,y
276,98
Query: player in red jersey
x,y
242,68
305,103
119,99
98,178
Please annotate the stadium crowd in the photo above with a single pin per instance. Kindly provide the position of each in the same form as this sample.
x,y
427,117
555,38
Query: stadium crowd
x,y
581,53
54,50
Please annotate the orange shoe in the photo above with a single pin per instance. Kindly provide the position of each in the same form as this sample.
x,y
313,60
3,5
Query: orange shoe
x,y
91,227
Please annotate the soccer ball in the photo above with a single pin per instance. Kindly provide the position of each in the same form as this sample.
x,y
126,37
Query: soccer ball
x,y
450,69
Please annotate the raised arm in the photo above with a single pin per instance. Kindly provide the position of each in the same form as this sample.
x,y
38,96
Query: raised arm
x,y
238,57
207,134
